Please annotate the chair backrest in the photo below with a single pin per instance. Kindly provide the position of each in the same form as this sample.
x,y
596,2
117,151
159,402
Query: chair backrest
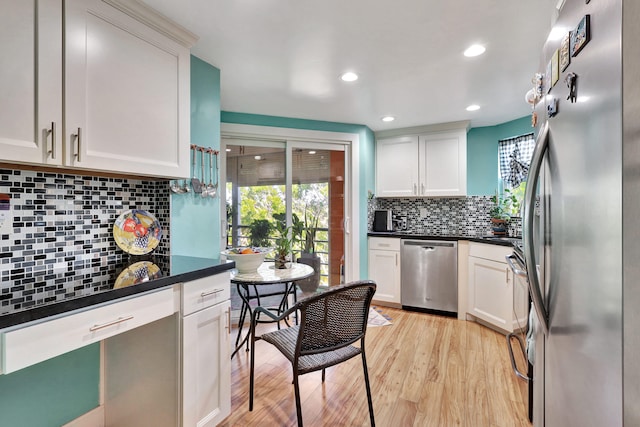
x,y
334,318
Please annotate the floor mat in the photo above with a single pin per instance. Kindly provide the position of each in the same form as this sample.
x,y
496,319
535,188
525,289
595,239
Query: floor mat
x,y
377,318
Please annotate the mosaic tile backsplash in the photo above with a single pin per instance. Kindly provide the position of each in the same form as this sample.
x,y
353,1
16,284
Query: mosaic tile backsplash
x,y
464,216
62,231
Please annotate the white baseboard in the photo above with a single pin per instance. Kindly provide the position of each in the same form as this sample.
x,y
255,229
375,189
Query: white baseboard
x,y
93,418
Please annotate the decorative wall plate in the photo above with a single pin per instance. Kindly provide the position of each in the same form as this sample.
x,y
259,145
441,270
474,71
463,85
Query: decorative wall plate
x,y
137,232
138,272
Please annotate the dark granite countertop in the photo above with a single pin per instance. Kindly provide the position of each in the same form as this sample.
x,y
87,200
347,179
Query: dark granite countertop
x,y
54,291
493,240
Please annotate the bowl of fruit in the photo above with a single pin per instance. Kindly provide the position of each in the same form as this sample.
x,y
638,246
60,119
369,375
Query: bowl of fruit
x,y
247,259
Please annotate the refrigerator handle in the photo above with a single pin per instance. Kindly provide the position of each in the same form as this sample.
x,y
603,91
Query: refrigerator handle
x,y
539,151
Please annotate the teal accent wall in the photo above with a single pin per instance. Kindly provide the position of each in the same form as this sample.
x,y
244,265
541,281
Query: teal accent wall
x,y
482,154
195,220
366,158
53,392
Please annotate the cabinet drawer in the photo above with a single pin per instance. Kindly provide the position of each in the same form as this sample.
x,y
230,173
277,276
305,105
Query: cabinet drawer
x,y
491,252
202,293
32,344
384,243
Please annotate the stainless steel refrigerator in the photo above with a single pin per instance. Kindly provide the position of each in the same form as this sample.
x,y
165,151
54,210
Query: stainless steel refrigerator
x,y
582,221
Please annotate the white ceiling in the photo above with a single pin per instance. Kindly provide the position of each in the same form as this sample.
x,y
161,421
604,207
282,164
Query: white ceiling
x,y
284,57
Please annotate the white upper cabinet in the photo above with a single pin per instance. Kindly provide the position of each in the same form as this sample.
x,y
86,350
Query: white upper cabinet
x,y
426,164
397,167
443,164
31,81
126,89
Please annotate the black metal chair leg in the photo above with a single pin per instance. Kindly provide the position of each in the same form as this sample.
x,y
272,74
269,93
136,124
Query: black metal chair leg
x,y
296,387
253,356
366,383
323,375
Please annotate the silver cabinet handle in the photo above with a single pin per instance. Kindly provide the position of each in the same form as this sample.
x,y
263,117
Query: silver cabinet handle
x,y
228,327
111,323
422,191
415,188
396,259
78,137
52,132
215,291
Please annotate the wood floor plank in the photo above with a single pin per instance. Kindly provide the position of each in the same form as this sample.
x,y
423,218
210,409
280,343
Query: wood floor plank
x,y
425,371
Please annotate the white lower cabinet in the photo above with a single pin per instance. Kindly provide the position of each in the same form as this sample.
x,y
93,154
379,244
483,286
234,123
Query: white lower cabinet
x,y
205,349
491,289
384,268
206,366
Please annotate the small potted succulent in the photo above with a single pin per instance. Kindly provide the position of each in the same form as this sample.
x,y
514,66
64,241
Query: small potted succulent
x,y
501,212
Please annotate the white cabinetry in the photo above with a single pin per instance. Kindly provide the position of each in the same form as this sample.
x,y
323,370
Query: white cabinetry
x,y
491,295
126,88
31,81
384,268
425,165
29,345
206,362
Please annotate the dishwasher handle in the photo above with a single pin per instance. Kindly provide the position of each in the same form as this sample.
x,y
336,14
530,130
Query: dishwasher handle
x,y
427,244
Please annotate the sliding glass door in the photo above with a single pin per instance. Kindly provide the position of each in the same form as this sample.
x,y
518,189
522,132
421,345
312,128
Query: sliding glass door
x,y
300,183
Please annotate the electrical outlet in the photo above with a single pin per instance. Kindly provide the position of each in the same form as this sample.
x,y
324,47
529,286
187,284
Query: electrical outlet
x,y
423,212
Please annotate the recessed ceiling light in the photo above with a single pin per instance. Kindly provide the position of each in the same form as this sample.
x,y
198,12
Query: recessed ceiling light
x,y
388,118
474,50
349,77
312,152
257,157
228,150
473,107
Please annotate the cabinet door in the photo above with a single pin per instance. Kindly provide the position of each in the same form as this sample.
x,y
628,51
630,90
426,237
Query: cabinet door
x,y
491,292
206,366
127,93
384,269
443,164
31,81
397,167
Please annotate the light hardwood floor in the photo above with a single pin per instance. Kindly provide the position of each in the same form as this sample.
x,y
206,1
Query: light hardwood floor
x,y
424,371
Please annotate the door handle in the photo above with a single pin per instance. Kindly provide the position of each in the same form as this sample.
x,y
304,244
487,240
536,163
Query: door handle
x,y
537,158
510,260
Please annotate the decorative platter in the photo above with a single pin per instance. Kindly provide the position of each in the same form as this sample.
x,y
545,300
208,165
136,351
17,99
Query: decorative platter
x,y
137,232
138,272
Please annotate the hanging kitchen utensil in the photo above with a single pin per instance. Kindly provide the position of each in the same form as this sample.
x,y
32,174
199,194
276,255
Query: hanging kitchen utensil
x,y
211,192
195,182
214,191
175,187
204,192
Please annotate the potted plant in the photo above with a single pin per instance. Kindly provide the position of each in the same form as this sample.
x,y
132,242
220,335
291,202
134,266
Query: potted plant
x,y
284,244
501,212
308,253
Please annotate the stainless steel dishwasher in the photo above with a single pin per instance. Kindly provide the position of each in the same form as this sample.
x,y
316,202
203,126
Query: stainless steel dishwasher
x,y
429,276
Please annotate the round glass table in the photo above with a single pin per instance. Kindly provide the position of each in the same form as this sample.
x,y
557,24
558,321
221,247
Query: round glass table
x,y
266,274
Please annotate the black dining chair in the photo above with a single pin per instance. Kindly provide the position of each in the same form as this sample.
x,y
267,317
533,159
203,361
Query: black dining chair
x,y
330,323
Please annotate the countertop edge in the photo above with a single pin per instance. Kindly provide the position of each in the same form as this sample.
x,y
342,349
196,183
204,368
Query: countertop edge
x,y
65,307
